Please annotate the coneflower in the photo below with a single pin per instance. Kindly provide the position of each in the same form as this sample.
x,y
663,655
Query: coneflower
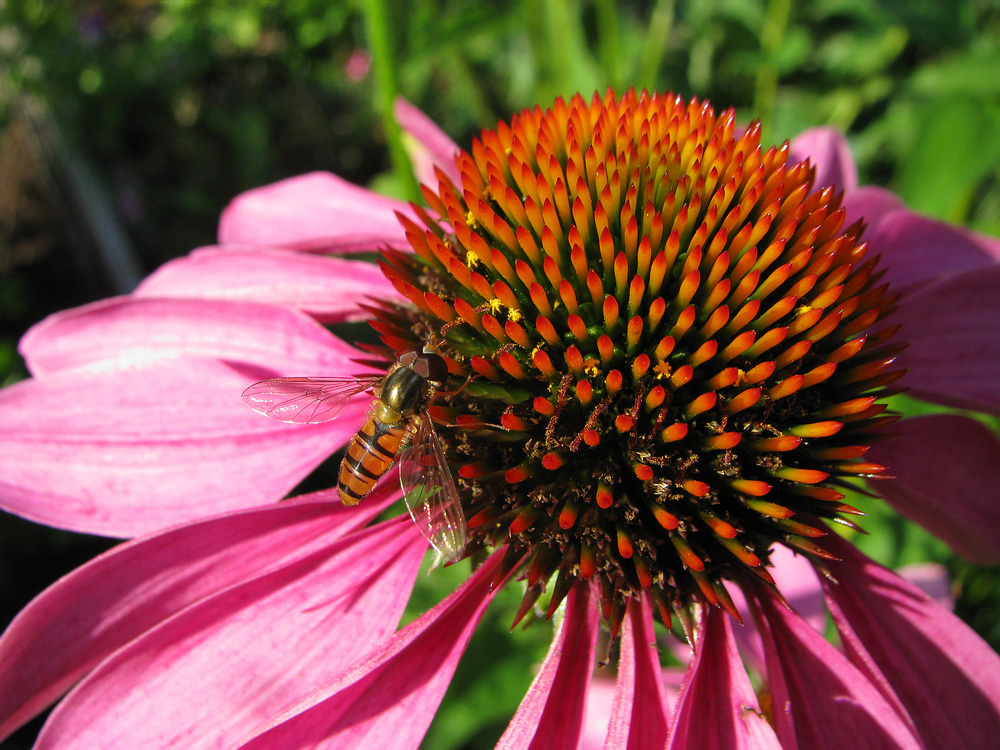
x,y
666,349
673,346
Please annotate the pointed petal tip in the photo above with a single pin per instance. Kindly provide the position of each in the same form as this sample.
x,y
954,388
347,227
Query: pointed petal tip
x,y
430,147
315,211
829,153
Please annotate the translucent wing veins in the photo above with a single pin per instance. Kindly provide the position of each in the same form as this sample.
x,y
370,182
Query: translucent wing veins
x,y
305,400
430,492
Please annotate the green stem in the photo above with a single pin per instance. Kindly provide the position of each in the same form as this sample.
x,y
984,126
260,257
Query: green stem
x,y
772,36
654,46
383,65
607,41
556,24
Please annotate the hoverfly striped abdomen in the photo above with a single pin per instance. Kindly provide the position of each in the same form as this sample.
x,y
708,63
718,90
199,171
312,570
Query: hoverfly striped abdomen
x,y
369,455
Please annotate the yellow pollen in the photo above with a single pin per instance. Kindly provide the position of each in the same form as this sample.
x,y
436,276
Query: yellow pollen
x,y
662,370
513,314
470,219
495,305
471,259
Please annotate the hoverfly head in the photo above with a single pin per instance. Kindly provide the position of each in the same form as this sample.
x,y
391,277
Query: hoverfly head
x,y
431,366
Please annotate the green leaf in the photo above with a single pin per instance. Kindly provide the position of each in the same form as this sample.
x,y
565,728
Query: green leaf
x,y
973,73
956,146
934,24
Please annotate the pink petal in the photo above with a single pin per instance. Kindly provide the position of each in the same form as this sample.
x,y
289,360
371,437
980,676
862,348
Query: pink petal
x,y
820,700
81,619
932,579
129,451
129,331
872,204
717,708
827,149
388,698
237,657
639,716
946,471
316,212
916,250
795,578
433,147
551,714
597,712
947,676
329,289
953,329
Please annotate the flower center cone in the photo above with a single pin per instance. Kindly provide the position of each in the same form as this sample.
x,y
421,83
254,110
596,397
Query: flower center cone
x,y
669,341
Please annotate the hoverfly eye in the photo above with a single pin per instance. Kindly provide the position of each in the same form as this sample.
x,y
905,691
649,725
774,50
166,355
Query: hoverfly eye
x,y
408,358
431,367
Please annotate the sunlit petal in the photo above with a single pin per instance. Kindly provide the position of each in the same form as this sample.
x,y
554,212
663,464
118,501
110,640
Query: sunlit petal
x,y
317,212
126,331
328,288
112,452
98,608
298,624
895,633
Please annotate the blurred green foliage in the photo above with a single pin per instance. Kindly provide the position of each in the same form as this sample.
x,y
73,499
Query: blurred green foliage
x,y
176,106
180,105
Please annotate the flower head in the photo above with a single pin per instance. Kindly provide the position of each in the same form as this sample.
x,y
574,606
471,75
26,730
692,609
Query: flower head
x,y
667,348
672,342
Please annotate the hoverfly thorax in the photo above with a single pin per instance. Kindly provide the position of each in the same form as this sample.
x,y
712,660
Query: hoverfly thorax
x,y
410,386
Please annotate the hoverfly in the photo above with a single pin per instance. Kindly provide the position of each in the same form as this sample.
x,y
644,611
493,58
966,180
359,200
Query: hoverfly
x,y
396,428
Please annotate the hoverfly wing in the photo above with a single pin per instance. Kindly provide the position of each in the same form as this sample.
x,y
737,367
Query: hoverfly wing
x,y
430,492
305,400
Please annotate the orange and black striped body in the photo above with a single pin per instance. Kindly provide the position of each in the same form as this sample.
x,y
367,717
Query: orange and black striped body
x,y
370,454
399,400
